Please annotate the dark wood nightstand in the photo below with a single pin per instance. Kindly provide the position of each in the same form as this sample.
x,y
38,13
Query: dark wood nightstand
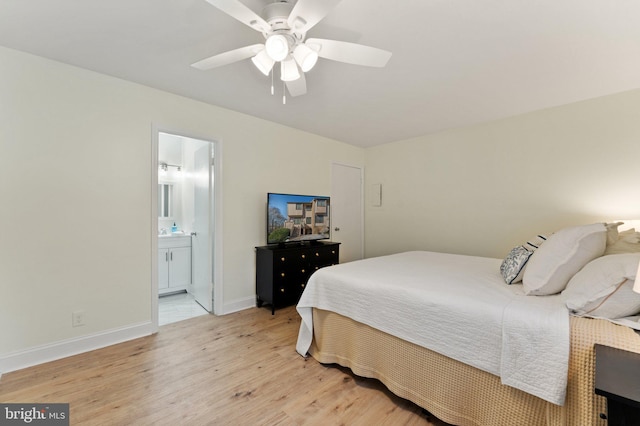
x,y
618,379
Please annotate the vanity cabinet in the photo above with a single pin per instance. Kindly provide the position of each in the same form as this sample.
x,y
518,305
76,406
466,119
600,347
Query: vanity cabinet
x,y
282,272
174,263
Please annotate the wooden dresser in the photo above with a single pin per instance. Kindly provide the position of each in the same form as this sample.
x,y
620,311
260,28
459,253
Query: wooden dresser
x,y
282,272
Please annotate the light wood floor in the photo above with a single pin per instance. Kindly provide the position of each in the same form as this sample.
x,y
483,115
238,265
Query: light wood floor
x,y
237,369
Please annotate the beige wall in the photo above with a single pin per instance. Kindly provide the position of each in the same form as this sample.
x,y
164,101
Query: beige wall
x,y
75,189
75,195
482,189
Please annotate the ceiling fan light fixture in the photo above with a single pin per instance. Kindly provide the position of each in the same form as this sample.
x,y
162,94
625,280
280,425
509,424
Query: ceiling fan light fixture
x,y
277,47
289,70
263,62
284,25
305,57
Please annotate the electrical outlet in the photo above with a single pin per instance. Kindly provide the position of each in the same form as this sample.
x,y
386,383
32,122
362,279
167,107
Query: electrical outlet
x,y
77,318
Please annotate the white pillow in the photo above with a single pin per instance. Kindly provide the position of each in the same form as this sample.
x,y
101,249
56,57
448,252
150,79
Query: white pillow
x,y
604,287
561,256
628,242
612,231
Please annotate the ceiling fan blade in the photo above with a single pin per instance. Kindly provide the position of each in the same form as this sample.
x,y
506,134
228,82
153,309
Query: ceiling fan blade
x,y
228,57
297,87
242,13
349,53
307,13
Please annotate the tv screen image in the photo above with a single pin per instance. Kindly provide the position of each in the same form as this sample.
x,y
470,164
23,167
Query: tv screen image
x,y
297,218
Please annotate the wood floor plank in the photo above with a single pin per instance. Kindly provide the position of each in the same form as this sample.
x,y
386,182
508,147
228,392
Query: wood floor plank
x,y
237,369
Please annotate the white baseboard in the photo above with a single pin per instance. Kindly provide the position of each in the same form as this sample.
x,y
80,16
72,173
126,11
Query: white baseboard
x,y
62,349
239,305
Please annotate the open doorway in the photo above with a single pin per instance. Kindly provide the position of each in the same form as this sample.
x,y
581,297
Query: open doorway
x,y
185,216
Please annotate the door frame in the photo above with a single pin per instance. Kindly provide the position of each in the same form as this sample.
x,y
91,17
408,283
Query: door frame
x,y
217,216
361,168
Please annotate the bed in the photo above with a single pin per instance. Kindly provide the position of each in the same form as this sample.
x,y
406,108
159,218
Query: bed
x,y
448,333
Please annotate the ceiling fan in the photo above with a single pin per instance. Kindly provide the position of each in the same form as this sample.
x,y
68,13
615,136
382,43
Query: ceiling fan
x,y
284,26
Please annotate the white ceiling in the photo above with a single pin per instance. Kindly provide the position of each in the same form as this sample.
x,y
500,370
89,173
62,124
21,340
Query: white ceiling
x,y
454,63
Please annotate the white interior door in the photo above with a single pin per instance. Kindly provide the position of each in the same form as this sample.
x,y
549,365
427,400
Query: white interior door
x,y
346,211
202,236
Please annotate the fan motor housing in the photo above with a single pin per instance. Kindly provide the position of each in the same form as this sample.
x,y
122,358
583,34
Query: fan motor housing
x,y
276,14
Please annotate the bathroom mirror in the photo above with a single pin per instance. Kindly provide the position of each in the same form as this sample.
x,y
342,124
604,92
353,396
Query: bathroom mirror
x,y
165,200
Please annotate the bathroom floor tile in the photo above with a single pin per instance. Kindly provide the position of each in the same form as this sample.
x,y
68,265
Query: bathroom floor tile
x,y
178,307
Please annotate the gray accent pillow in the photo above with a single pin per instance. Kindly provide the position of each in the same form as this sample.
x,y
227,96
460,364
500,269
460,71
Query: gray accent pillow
x,y
512,267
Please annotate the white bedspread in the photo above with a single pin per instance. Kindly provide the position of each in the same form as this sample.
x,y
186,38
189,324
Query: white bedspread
x,y
458,306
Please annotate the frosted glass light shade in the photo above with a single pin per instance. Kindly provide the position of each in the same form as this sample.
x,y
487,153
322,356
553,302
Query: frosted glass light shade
x,y
277,47
289,70
263,62
305,57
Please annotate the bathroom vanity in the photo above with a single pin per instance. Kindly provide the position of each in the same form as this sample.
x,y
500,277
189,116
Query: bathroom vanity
x,y
174,263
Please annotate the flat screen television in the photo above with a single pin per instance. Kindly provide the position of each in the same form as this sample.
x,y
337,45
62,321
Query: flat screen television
x,y
295,218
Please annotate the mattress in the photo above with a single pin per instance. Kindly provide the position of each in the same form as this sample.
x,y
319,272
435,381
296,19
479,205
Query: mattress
x,y
461,394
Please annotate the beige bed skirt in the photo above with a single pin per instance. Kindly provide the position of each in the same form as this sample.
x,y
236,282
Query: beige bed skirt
x,y
460,394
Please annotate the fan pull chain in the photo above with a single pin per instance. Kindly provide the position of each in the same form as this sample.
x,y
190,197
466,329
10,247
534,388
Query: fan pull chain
x,y
272,91
284,93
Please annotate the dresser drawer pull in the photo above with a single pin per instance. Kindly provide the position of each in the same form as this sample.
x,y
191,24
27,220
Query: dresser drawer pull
x,y
282,290
317,254
302,285
282,274
282,259
303,256
303,271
